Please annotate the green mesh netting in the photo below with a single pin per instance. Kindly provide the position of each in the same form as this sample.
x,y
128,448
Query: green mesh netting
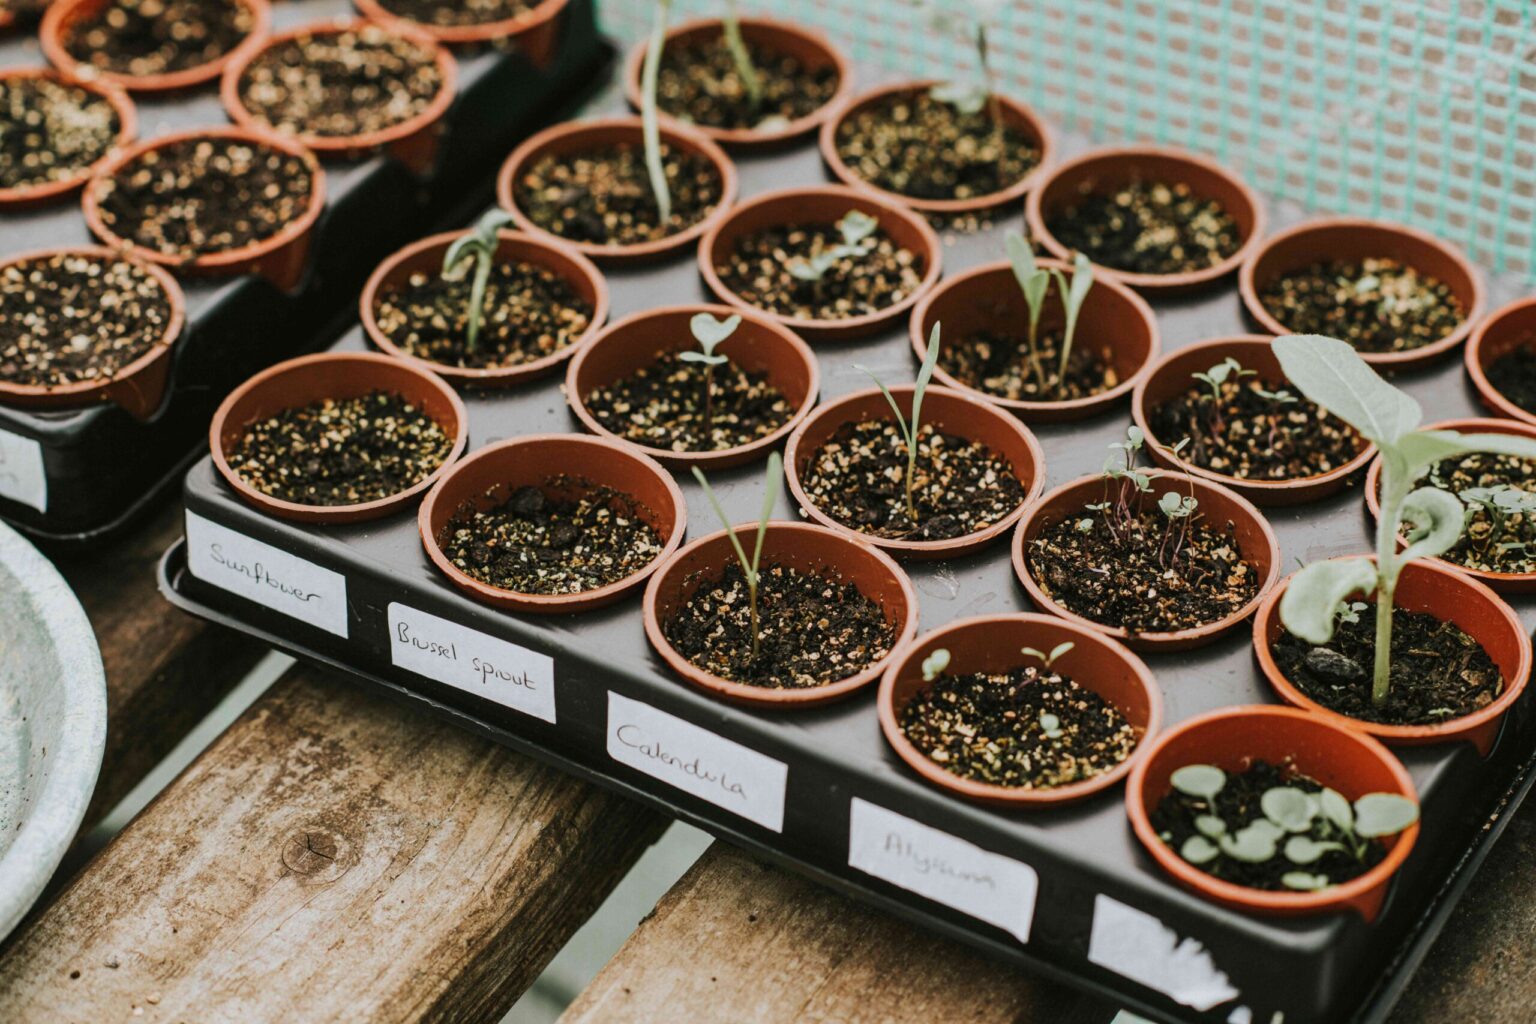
x,y
1419,111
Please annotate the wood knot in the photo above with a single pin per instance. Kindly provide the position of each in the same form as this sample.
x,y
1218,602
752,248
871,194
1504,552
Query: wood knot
x,y
317,854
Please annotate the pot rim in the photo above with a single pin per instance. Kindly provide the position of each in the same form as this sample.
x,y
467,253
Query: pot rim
x,y
1491,396
127,129
506,28
61,15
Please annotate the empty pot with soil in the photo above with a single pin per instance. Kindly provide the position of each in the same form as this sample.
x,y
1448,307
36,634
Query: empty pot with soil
x,y
152,45
1274,811
694,385
1156,218
337,437
1019,710
221,201
1225,405
830,262
55,132
586,183
1501,360
532,27
346,90
1399,296
81,326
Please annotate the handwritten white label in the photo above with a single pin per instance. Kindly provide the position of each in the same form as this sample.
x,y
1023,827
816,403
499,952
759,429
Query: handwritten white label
x,y
267,575
21,471
942,867
1136,945
697,761
510,675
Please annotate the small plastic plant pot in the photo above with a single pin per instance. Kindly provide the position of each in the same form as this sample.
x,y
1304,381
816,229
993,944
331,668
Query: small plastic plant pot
x,y
824,205
947,411
1231,739
335,375
280,259
1449,595
534,33
1357,238
27,196
1171,377
62,16
486,480
1219,506
758,345
413,142
992,644
988,298
426,257
1108,169
583,136
810,48
1503,331
806,548
139,386
1015,115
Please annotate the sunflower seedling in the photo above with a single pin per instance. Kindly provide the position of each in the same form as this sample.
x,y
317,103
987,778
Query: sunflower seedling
x,y
709,333
476,248
1331,374
910,428
650,128
773,483
855,227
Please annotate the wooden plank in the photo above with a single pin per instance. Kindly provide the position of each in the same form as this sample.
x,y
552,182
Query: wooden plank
x,y
332,857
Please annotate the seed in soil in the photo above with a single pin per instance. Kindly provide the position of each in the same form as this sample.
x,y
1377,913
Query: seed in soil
x,y
698,83
997,363
529,313
603,196
813,630
51,130
205,195
858,477
917,146
1146,227
662,406
457,13
537,544
335,84
1499,494
761,269
1513,375
70,318
341,451
1376,305
1025,729
157,37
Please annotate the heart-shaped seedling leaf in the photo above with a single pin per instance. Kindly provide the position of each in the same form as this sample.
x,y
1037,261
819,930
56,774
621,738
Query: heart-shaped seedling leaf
x,y
1199,850
1199,780
935,664
1306,850
1210,825
1288,807
1336,809
855,226
1304,881
1384,814
709,332
1252,844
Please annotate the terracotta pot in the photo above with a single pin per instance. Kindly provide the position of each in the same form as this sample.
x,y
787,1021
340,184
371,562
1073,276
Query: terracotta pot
x,y
1450,595
1231,739
948,411
63,15
800,546
1111,168
1358,238
138,387
281,259
337,375
823,205
426,257
576,136
25,196
988,297
759,345
1015,115
813,50
1171,378
535,34
486,480
991,644
1218,506
1501,332
413,142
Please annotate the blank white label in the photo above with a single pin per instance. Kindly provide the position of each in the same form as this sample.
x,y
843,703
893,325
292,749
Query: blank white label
x,y
697,761
21,471
510,675
942,867
267,575
1136,945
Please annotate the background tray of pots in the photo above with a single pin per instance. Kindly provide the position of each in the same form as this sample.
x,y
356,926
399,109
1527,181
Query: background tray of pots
x,y
1066,890
79,474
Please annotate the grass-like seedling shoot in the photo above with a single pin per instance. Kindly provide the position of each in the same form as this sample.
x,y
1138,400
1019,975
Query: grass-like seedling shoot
x,y
731,21
478,248
909,428
650,128
1035,282
773,484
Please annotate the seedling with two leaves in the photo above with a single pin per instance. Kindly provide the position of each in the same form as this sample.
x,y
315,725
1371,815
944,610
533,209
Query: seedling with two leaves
x,y
1035,282
855,228
936,663
709,333
911,428
751,568
969,23
476,248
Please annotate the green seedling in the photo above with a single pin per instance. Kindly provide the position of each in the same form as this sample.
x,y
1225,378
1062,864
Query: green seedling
x,y
910,428
1213,379
1122,482
935,664
709,333
1048,660
1050,726
773,484
1500,505
650,128
1179,511
855,227
476,248
1072,293
1034,282
738,47
969,22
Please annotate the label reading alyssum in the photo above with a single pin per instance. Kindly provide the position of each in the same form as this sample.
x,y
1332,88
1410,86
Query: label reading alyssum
x,y
697,761
495,669
21,471
267,575
942,867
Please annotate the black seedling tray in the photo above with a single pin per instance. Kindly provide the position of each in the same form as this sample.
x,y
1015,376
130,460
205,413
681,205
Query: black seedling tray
x,y
101,467
1033,888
